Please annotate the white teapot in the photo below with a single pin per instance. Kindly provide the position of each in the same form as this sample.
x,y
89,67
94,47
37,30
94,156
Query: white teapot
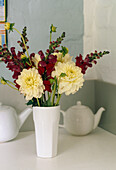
x,y
80,120
10,122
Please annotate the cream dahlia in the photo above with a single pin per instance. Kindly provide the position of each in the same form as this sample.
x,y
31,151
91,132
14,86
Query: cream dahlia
x,y
73,79
31,83
65,59
36,59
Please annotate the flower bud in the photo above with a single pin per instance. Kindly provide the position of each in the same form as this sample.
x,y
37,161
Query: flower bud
x,y
53,29
3,81
7,26
23,56
67,50
47,51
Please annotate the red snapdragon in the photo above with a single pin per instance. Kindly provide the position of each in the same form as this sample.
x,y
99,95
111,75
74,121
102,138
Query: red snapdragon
x,y
89,60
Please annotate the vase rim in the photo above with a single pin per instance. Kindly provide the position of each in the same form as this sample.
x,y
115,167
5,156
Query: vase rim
x,y
51,107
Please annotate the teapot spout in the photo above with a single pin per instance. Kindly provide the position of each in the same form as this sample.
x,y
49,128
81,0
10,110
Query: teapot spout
x,y
97,117
23,116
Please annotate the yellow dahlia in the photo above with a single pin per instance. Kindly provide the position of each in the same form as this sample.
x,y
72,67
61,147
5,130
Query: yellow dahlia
x,y
36,59
65,59
31,83
73,79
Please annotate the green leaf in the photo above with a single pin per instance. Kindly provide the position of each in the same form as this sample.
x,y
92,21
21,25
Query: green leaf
x,y
51,81
11,27
63,75
4,79
30,102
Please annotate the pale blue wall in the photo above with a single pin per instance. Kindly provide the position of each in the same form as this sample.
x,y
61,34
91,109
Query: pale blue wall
x,y
38,15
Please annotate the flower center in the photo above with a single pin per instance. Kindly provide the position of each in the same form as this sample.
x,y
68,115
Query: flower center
x,y
29,81
70,73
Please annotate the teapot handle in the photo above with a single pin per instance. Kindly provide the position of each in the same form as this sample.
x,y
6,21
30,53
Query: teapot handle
x,y
63,113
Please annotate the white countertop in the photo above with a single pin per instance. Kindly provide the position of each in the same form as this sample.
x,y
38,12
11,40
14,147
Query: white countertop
x,y
96,151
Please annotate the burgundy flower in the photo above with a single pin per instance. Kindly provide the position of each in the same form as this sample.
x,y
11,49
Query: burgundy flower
x,y
47,51
32,55
89,59
4,46
19,55
95,62
52,59
19,42
16,68
79,60
47,85
15,75
41,54
16,85
10,65
56,51
12,49
42,63
49,69
83,64
54,47
41,70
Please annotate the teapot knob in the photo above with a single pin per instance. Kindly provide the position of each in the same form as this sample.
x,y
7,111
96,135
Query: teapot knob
x,y
78,102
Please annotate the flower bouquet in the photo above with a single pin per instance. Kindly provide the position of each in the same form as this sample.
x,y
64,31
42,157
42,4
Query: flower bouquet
x,y
42,78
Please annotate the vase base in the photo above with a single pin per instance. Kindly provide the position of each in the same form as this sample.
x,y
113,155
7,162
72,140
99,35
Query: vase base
x,y
46,157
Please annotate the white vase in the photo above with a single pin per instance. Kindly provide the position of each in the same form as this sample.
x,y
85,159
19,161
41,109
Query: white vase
x,y
46,121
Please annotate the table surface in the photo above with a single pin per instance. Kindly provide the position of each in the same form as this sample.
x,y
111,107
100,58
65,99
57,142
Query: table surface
x,y
96,151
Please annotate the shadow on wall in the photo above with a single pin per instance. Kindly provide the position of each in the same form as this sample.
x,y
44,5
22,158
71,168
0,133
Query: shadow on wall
x,y
13,98
105,95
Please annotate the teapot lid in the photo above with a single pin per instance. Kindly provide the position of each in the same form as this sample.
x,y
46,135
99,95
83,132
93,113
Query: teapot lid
x,y
3,107
79,106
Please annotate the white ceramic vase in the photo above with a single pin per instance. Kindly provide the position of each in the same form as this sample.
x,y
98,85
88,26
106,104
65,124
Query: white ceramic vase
x,y
46,121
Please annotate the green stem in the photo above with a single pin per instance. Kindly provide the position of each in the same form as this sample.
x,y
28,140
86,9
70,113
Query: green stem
x,y
58,99
38,102
11,82
53,96
48,95
59,95
24,43
28,63
44,97
12,87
